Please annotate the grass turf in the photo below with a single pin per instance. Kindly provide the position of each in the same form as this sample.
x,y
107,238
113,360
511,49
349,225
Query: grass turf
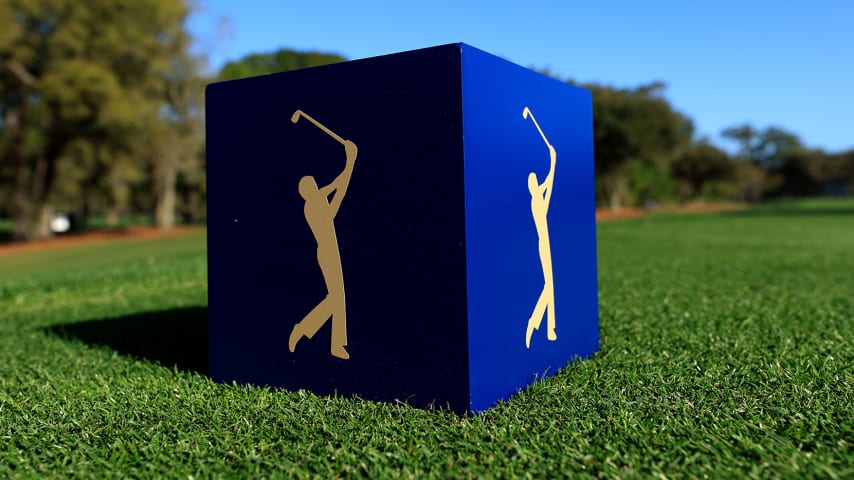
x,y
726,351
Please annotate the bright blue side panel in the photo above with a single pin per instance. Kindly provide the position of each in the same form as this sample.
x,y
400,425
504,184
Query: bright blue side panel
x,y
504,273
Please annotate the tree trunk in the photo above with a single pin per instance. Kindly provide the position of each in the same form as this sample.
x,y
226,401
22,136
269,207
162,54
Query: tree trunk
x,y
616,186
614,200
42,209
165,209
42,226
32,218
22,208
32,213
113,216
194,207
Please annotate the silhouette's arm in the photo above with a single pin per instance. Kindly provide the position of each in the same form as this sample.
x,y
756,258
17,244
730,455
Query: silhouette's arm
x,y
342,181
329,189
339,185
549,181
299,113
546,187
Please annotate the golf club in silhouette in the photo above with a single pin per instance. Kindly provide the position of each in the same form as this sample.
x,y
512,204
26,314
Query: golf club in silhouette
x,y
319,214
541,194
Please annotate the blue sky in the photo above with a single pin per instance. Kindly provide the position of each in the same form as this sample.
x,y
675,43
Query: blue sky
x,y
787,64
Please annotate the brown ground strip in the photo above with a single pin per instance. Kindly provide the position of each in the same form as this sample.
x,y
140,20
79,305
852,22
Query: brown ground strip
x,y
100,236
92,237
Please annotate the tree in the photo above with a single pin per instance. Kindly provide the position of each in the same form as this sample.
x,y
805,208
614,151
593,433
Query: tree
x,y
80,82
775,147
278,61
179,129
17,84
767,148
782,155
745,137
837,173
754,182
638,127
703,164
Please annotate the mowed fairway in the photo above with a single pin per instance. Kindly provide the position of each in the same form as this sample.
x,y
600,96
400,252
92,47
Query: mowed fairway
x,y
726,351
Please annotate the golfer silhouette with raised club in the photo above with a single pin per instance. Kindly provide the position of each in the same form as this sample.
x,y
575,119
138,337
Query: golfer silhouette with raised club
x,y
319,214
541,194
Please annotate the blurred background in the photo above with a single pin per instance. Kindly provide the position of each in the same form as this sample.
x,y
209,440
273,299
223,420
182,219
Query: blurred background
x,y
102,101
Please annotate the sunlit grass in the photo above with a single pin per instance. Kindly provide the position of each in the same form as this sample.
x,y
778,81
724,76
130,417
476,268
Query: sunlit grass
x,y
726,351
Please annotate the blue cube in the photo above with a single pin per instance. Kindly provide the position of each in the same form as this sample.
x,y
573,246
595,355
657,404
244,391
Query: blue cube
x,y
417,227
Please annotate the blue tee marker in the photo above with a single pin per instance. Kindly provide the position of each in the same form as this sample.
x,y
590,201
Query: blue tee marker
x,y
416,227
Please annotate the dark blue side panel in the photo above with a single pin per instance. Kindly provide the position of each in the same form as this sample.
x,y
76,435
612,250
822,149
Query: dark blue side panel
x,y
400,228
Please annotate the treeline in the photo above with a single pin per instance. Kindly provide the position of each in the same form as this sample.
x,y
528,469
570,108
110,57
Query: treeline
x,y
101,114
646,151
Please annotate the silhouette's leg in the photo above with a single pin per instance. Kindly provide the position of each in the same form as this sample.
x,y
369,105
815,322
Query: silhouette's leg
x,y
551,318
536,317
310,324
339,326
339,336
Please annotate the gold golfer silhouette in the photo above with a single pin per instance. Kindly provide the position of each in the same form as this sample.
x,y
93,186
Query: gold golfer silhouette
x,y
319,214
541,194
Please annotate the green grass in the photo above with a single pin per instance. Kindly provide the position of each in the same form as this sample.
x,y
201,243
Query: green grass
x,y
726,352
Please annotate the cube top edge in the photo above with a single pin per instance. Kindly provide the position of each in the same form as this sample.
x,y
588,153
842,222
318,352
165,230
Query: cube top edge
x,y
462,47
459,45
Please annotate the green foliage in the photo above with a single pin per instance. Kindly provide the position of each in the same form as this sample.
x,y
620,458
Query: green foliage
x,y
706,170
754,182
788,167
278,61
745,136
836,169
769,148
719,191
650,182
725,353
639,126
